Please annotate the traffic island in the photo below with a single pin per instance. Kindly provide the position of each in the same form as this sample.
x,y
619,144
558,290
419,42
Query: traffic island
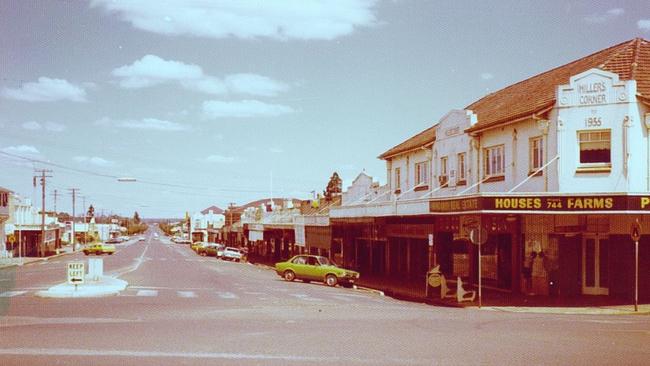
x,y
103,286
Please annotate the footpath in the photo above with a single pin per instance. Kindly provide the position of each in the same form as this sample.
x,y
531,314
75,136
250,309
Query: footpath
x,y
16,261
497,300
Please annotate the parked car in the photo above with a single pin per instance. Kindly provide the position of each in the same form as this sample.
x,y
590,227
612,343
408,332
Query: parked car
x,y
114,240
315,268
195,246
208,249
141,238
233,254
99,249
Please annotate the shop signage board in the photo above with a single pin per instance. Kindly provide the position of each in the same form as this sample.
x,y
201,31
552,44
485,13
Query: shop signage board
x,y
531,204
76,273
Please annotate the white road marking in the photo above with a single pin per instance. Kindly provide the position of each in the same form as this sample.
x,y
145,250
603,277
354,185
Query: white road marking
x,y
339,297
148,293
260,357
186,293
253,293
305,297
12,293
227,295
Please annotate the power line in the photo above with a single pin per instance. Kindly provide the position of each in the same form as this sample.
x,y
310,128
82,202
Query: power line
x,y
142,181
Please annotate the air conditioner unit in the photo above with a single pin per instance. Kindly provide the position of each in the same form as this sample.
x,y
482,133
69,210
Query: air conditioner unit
x,y
452,181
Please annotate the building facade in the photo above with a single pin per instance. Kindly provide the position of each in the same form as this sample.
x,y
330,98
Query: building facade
x,y
554,170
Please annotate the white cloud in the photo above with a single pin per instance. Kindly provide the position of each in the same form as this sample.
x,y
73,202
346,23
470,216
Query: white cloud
x,y
46,90
21,150
94,160
142,124
247,19
243,109
255,85
487,76
643,24
600,18
220,159
48,126
152,70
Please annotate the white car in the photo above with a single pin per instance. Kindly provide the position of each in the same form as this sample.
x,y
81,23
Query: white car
x,y
231,253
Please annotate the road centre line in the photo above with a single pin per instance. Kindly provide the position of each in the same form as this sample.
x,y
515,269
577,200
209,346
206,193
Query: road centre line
x,y
186,294
147,293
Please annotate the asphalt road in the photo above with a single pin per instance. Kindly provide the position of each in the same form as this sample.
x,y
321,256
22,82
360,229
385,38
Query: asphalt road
x,y
182,309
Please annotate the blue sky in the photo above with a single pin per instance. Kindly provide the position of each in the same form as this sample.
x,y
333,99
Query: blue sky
x,y
204,101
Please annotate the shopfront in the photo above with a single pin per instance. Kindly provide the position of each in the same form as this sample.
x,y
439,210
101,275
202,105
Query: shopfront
x,y
547,244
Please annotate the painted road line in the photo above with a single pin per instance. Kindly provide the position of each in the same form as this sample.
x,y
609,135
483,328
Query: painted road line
x,y
186,294
12,293
305,297
227,295
147,293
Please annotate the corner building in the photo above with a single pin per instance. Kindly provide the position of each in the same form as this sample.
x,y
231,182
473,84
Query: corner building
x,y
555,169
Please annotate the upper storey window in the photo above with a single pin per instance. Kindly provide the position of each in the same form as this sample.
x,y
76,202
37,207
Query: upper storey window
x,y
595,147
536,154
495,161
421,174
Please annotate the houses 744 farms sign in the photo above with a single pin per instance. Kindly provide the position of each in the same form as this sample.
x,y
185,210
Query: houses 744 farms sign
x,y
542,203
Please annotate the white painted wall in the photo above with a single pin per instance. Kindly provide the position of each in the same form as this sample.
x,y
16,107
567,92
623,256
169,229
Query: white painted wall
x,y
451,140
619,106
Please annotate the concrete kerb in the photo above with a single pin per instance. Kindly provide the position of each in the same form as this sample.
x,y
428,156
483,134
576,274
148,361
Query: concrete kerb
x,y
105,286
626,310
35,260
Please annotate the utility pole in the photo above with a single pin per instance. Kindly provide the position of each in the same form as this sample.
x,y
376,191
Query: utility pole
x,y
73,191
85,219
43,176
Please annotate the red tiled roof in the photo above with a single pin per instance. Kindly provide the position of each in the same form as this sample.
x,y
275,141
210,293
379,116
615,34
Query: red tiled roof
x,y
423,138
215,210
630,60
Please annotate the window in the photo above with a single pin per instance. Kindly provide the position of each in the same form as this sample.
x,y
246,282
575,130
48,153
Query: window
x,y
536,154
398,178
461,168
4,199
421,174
494,161
595,147
443,178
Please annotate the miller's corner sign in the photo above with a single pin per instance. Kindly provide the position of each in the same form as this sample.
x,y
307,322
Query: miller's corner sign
x,y
528,203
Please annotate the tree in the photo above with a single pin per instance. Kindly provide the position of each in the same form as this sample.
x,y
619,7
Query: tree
x,y
334,187
91,213
136,217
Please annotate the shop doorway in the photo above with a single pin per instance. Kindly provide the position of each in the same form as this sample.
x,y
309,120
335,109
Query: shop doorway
x,y
595,265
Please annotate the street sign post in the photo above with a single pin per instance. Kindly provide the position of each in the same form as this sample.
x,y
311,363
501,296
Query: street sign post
x,y
76,273
478,236
635,234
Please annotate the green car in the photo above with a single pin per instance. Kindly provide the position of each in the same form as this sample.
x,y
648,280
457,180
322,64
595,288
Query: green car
x,y
99,248
315,268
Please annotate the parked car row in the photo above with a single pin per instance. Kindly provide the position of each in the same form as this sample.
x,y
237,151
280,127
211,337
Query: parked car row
x,y
217,250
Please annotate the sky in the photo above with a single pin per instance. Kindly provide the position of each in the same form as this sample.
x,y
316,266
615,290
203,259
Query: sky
x,y
217,102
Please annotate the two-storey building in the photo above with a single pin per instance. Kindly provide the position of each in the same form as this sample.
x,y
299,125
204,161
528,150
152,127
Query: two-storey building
x,y
555,169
